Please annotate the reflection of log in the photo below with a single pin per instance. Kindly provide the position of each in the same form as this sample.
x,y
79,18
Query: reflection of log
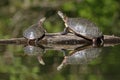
x,y
56,38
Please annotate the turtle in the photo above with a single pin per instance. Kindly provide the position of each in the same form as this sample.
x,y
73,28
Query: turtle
x,y
35,32
38,51
80,55
82,27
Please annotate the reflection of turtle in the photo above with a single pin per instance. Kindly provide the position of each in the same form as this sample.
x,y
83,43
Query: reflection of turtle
x,y
34,50
82,28
35,31
80,57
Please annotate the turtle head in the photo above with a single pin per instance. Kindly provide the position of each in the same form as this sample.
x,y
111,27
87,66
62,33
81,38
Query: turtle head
x,y
62,16
41,20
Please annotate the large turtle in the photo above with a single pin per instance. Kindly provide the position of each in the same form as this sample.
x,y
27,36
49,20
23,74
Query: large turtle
x,y
81,55
35,32
82,28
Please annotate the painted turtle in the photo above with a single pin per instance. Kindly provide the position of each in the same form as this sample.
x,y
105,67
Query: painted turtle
x,y
82,28
35,51
82,55
35,32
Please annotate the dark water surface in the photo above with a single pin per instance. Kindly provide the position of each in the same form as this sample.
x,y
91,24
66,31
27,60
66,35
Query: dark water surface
x,y
81,64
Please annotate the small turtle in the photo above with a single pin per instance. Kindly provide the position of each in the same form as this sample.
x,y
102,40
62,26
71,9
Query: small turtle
x,y
82,28
35,51
35,32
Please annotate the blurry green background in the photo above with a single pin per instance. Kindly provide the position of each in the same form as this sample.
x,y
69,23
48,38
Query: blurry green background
x,y
17,15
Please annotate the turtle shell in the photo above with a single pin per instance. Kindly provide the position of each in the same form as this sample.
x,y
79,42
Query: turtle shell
x,y
33,50
33,32
83,56
83,27
80,57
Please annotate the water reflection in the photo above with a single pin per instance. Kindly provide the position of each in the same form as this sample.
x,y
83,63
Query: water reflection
x,y
38,51
78,61
81,55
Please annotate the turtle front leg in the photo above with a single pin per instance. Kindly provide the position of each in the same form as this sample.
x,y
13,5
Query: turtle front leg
x,y
38,39
66,30
28,42
36,42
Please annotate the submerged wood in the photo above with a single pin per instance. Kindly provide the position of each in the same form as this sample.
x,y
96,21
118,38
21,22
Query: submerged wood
x,y
57,38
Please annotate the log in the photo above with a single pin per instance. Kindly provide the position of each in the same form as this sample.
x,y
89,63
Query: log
x,y
57,38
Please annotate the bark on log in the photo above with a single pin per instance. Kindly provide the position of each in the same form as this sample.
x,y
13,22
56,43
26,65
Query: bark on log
x,y
57,38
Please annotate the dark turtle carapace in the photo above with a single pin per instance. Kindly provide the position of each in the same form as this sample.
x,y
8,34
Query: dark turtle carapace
x,y
81,55
82,28
35,51
35,32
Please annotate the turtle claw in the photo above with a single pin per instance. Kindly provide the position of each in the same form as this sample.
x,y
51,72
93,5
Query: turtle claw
x,y
36,42
97,42
63,33
102,41
66,30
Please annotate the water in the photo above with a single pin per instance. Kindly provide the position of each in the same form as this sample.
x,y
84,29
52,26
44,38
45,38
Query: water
x,y
55,64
